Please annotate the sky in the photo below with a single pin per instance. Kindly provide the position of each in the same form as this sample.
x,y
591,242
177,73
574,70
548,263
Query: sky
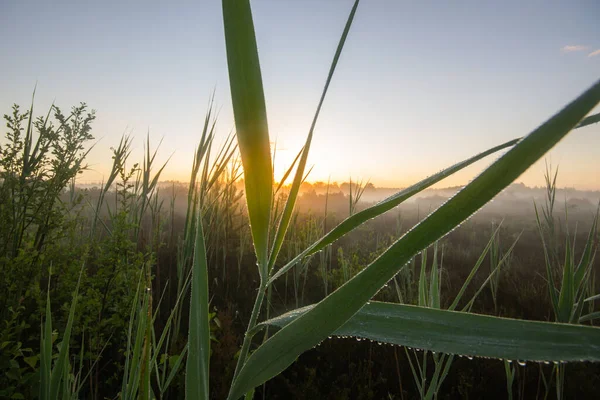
x,y
420,84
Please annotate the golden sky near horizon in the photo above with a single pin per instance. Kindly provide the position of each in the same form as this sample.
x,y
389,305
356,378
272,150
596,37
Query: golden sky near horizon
x,y
419,86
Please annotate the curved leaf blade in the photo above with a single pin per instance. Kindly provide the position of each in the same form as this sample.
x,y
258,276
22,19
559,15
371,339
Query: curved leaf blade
x,y
299,176
467,334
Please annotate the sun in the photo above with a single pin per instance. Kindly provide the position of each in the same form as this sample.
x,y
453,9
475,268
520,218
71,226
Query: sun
x,y
319,167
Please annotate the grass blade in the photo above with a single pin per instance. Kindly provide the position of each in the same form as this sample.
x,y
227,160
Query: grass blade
x,y
567,290
548,263
474,270
434,280
593,298
589,252
289,171
590,316
197,367
46,351
592,119
282,349
423,295
52,380
61,365
250,113
453,332
299,176
176,367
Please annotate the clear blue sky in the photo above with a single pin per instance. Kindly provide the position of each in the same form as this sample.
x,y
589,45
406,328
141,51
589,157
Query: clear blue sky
x,y
421,84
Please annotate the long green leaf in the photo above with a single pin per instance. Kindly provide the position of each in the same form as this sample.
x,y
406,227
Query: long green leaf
x,y
130,361
590,316
250,114
197,367
385,205
566,297
46,351
289,171
135,365
299,177
281,350
62,363
52,379
593,298
548,264
434,280
175,368
474,270
589,252
423,297
467,334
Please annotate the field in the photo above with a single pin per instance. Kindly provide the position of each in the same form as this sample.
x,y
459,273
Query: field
x,y
233,285
130,234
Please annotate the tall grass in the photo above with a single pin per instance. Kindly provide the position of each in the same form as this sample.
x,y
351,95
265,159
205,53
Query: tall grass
x,y
120,230
40,157
569,299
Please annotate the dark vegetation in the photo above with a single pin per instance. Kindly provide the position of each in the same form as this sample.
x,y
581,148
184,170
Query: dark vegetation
x,y
130,232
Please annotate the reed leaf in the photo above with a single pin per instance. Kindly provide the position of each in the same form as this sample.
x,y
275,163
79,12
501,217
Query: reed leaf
x,y
53,379
197,367
250,113
300,176
591,119
466,334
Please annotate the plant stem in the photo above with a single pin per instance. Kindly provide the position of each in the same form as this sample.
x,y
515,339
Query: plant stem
x,y
251,324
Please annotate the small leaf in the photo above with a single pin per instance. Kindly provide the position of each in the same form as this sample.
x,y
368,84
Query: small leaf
x,y
32,361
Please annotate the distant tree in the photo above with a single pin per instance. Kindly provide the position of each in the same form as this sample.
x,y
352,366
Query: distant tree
x,y
334,187
306,186
320,186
